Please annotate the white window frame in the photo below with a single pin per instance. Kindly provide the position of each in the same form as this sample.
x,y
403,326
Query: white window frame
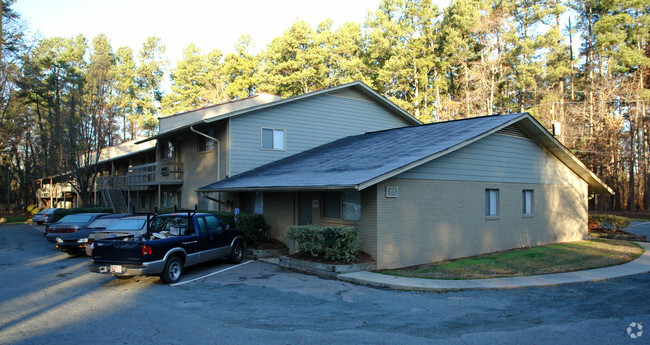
x,y
527,202
491,203
275,141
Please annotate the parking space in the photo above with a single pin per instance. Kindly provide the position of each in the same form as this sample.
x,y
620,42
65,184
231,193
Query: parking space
x,y
47,296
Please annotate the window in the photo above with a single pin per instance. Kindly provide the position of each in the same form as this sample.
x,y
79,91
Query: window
x,y
491,202
252,202
342,205
166,150
527,202
204,144
273,139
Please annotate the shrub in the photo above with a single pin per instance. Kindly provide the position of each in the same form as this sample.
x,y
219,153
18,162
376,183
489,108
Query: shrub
x,y
58,214
254,227
227,218
33,209
329,242
610,222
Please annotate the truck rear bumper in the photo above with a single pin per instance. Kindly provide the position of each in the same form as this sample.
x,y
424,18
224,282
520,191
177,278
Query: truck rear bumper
x,y
146,268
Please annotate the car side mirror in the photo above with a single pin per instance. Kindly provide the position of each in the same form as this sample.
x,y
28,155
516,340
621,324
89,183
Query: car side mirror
x,y
227,226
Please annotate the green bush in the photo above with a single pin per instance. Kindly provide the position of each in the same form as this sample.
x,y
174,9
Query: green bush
x,y
227,218
58,214
329,242
33,209
254,227
610,222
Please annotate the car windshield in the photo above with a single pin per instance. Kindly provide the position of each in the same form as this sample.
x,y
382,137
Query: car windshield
x,y
102,223
76,218
127,224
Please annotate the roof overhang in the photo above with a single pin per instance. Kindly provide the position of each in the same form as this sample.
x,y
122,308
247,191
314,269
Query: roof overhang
x,y
524,121
534,129
282,189
356,85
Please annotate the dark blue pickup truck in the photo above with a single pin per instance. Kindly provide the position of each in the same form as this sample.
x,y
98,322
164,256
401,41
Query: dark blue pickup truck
x,y
172,242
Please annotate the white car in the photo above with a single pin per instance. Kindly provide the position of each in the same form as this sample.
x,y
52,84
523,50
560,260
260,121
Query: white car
x,y
127,226
44,216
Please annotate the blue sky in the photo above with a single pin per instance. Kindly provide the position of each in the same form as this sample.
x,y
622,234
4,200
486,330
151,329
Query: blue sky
x,y
208,24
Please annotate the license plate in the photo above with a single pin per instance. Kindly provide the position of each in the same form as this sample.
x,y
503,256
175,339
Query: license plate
x,y
116,269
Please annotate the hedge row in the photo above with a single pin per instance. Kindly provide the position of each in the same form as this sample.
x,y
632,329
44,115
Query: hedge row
x,y
329,242
58,214
610,222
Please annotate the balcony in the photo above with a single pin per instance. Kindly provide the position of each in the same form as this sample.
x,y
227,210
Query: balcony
x,y
111,182
56,191
164,173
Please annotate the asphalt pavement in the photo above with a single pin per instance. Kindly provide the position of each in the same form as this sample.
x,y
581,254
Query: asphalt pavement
x,y
47,297
640,228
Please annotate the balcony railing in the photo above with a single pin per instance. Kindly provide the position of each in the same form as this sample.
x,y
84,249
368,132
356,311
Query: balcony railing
x,y
111,182
155,173
56,191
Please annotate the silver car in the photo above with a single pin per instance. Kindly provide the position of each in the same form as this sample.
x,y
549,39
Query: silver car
x,y
127,226
44,216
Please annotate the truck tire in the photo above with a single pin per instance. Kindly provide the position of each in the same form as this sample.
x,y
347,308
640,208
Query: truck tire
x,y
237,252
173,270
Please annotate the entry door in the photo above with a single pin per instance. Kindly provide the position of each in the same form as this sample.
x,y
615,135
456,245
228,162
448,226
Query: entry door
x,y
304,208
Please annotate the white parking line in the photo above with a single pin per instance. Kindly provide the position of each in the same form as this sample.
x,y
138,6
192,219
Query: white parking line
x,y
211,274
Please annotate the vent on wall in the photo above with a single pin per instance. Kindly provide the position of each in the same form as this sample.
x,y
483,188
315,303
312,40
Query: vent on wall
x,y
391,192
513,131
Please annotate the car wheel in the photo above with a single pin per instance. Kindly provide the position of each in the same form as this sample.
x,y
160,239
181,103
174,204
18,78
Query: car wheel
x,y
39,223
123,277
173,270
237,252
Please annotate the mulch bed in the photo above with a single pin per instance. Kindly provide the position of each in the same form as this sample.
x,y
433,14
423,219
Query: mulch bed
x,y
270,244
361,257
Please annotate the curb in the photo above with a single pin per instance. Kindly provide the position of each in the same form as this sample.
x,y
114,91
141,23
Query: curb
x,y
639,266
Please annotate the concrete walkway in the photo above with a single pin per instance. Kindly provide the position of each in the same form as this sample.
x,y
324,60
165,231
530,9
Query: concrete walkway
x,y
638,266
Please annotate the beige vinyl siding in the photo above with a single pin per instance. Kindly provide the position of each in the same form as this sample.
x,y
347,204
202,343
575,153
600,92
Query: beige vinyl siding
x,y
496,158
307,123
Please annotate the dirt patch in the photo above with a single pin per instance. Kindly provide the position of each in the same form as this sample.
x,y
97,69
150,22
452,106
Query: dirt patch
x,y
360,257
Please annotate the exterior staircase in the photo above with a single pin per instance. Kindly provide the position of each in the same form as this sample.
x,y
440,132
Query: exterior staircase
x,y
113,197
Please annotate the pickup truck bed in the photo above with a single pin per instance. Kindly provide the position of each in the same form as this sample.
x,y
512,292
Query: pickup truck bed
x,y
173,242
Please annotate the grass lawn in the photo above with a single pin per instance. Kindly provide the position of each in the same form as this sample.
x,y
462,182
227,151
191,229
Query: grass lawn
x,y
14,219
554,258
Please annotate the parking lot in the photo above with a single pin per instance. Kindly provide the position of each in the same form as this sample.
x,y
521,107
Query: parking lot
x,y
48,297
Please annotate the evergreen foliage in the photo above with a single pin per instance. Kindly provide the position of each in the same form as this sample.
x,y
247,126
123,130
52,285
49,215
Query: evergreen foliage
x,y
582,64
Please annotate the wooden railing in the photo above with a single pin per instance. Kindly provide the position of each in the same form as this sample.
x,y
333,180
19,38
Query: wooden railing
x,y
55,191
155,173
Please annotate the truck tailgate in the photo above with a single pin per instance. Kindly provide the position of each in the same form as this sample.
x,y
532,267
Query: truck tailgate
x,y
115,250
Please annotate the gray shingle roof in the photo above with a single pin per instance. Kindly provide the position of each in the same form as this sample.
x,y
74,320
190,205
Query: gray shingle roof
x,y
353,162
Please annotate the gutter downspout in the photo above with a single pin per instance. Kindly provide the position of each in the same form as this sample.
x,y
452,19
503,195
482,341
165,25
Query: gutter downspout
x,y
218,162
